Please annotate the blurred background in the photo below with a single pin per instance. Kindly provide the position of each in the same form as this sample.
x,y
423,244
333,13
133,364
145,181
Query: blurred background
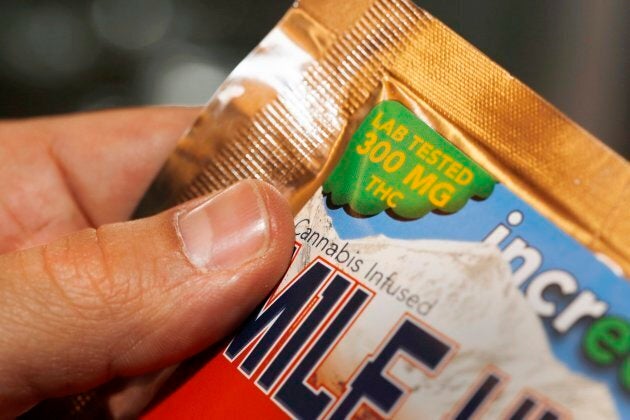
x,y
60,56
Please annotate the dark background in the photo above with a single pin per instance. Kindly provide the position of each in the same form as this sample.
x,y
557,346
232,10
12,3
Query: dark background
x,y
61,56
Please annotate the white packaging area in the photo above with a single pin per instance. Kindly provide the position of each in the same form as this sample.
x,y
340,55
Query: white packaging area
x,y
472,303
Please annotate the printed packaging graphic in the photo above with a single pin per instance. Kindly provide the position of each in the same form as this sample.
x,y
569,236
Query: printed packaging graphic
x,y
481,308
400,164
460,245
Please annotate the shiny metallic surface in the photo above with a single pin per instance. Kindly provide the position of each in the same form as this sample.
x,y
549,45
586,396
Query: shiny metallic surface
x,y
286,112
66,55
284,115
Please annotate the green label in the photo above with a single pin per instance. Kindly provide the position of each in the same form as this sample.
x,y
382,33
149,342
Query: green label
x,y
396,162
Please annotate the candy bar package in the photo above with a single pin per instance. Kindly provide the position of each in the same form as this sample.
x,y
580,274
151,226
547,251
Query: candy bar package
x,y
461,247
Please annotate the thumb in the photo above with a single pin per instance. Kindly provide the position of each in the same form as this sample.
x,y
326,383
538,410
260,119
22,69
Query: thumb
x,y
130,298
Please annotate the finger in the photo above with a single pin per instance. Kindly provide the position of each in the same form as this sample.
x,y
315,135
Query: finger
x,y
136,394
35,206
110,158
107,159
121,398
128,299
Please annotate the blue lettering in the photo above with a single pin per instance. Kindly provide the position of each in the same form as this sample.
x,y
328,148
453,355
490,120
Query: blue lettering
x,y
294,395
371,385
275,319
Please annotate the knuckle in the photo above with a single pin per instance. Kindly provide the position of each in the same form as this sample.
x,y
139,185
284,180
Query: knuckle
x,y
114,273
83,273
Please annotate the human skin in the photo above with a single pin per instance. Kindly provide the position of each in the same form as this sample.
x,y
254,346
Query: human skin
x,y
86,297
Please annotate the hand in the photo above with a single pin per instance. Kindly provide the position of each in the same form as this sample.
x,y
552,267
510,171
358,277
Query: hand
x,y
84,299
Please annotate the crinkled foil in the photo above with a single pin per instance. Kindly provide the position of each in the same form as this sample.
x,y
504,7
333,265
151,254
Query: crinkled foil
x,y
285,113
283,116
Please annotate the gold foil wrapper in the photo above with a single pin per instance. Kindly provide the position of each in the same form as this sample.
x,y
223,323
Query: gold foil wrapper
x,y
286,112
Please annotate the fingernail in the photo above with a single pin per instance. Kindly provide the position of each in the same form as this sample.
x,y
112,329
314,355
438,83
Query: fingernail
x,y
228,230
